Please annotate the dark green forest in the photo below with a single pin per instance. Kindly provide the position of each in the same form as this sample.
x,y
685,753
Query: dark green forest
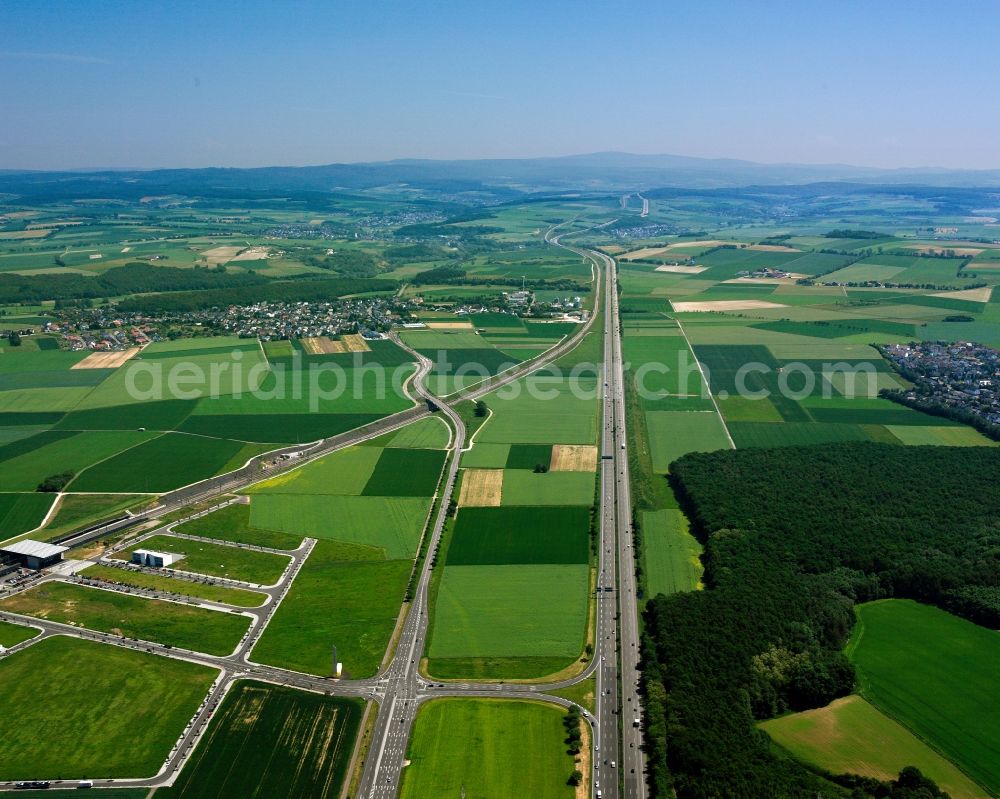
x,y
793,538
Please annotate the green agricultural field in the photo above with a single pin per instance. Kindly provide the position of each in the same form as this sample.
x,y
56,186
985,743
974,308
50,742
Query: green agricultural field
x,y
527,610
936,674
237,597
488,456
334,602
392,524
170,623
72,454
674,433
345,471
232,523
670,553
520,535
547,413
850,736
20,513
490,749
120,711
406,473
165,463
521,487
796,434
217,560
431,433
13,634
914,435
271,742
527,456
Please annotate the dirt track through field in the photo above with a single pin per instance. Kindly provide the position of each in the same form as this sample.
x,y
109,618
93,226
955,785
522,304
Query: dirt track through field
x,y
106,360
481,488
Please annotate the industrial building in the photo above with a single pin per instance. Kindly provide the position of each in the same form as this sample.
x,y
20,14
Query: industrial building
x,y
146,557
33,554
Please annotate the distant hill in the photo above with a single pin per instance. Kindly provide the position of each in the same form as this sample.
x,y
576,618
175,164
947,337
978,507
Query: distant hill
x,y
490,178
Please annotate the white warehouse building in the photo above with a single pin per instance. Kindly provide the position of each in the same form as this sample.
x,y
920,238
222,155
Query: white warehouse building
x,y
147,557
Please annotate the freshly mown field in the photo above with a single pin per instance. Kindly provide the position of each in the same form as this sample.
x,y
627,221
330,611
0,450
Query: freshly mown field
x,y
936,674
180,588
850,736
352,605
119,711
271,742
12,634
216,560
489,749
170,623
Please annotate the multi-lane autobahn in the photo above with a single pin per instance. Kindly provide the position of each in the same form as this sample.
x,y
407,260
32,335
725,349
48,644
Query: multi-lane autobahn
x,y
399,689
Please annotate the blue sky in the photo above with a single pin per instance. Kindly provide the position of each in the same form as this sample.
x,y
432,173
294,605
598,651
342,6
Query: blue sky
x,y
137,84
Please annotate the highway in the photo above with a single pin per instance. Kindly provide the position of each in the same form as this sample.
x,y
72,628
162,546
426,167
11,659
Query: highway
x,y
399,689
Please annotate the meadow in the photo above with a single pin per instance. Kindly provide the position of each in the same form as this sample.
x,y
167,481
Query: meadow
x,y
850,736
120,711
129,616
350,604
493,749
270,742
935,674
216,560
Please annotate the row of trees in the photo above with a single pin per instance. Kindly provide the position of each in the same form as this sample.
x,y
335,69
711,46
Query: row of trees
x,y
793,538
